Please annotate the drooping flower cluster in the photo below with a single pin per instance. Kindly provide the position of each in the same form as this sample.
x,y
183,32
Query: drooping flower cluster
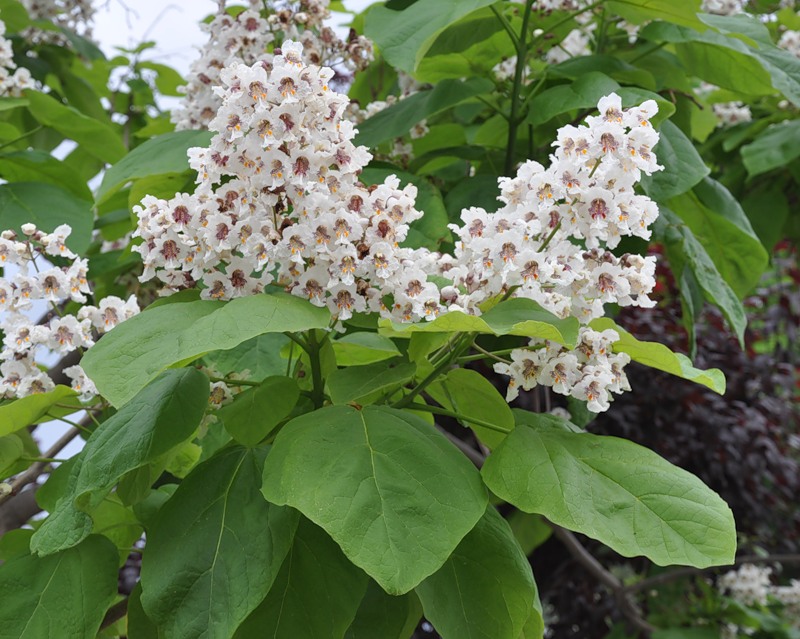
x,y
586,194
790,41
35,280
278,200
590,372
11,84
247,39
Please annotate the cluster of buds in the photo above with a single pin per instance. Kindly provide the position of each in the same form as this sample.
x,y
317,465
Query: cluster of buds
x,y
248,38
590,372
12,80
36,280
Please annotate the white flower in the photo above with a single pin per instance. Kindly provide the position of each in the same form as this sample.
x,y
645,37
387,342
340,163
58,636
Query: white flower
x,y
81,383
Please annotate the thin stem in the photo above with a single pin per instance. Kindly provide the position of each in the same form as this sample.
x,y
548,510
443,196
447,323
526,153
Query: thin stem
x,y
289,362
298,340
488,354
30,475
69,422
45,460
234,382
522,60
492,354
464,418
33,131
550,237
647,52
434,374
567,18
317,391
494,108
507,26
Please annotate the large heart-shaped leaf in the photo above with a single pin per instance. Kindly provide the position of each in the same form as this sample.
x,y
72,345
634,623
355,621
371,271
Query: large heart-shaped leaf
x,y
391,491
62,595
315,595
215,548
485,589
163,415
127,358
615,491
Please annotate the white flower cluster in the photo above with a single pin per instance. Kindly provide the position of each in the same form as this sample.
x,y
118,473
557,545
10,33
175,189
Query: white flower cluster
x,y
750,585
75,15
35,280
728,113
11,84
590,372
790,41
586,194
246,39
278,199
724,7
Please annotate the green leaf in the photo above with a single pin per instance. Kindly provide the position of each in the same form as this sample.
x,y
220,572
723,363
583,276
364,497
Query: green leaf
x,y
140,348
162,154
683,166
385,616
729,60
639,11
25,411
390,489
531,531
119,524
681,241
775,148
356,349
468,392
139,624
214,549
163,415
660,357
96,137
315,595
359,383
726,234
470,47
260,355
64,595
38,166
614,491
47,206
255,412
517,316
583,93
485,589
405,36
396,120
11,449
15,15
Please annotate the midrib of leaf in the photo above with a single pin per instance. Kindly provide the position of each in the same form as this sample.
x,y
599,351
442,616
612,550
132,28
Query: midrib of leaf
x,y
39,600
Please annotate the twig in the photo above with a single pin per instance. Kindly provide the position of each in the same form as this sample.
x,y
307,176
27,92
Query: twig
x,y
588,561
36,469
115,613
664,577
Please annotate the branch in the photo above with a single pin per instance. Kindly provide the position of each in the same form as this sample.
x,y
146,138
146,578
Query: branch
x,y
666,577
38,468
588,561
115,613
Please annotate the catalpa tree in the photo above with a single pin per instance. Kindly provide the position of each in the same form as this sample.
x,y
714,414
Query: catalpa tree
x,y
287,316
